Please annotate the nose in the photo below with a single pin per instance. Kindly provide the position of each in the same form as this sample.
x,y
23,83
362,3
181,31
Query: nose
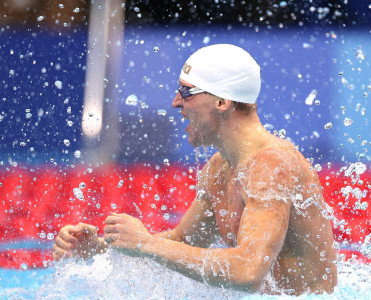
x,y
177,101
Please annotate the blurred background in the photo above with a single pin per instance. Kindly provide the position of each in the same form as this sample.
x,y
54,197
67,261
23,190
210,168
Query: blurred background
x,y
87,126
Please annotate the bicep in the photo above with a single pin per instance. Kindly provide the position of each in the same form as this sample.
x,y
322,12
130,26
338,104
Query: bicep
x,y
265,219
263,226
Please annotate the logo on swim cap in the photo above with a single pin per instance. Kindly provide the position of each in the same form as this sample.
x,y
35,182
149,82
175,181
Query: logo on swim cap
x,y
187,68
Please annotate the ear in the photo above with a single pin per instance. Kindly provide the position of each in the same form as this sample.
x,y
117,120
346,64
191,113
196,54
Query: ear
x,y
223,104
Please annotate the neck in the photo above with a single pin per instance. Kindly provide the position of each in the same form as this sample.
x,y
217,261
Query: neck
x,y
240,137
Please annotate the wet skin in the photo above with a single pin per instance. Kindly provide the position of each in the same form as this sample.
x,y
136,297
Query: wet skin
x,y
304,264
258,193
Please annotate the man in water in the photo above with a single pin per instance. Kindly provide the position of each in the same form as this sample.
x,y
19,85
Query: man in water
x,y
257,193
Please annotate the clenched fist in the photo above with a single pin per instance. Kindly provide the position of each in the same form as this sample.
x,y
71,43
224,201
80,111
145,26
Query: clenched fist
x,y
77,241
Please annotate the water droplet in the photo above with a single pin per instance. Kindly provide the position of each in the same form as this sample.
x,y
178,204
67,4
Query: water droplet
x,y
328,125
206,40
231,236
307,203
166,162
360,168
283,4
310,98
222,212
105,80
163,207
359,54
318,167
282,133
208,213
69,123
28,115
156,49
341,73
76,10
120,184
317,102
58,84
82,185
113,206
42,235
266,259
67,142
157,197
162,112
344,81
364,205
61,5
166,216
50,236
77,153
78,194
132,100
40,18
348,122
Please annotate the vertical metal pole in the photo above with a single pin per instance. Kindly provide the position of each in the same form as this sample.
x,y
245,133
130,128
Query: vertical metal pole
x,y
104,63
110,140
95,70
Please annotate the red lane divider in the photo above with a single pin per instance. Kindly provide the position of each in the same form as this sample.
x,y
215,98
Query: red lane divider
x,y
37,203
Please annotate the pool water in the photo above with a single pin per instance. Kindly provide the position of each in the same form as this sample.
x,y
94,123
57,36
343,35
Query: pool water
x,y
114,276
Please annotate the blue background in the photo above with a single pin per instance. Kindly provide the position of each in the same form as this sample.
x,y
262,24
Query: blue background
x,y
293,63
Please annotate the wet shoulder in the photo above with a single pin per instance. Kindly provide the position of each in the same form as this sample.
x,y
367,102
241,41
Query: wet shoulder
x,y
282,153
214,168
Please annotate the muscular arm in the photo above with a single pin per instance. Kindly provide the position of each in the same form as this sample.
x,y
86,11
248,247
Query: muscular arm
x,y
260,238
261,235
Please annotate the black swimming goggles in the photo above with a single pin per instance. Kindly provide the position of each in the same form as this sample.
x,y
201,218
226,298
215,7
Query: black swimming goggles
x,y
186,91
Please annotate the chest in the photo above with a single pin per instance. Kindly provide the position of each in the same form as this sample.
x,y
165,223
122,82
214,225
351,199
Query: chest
x,y
226,199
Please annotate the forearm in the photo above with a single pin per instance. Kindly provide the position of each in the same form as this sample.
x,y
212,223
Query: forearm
x,y
218,267
169,235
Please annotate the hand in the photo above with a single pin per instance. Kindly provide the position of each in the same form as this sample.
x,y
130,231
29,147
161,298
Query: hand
x,y
80,240
126,232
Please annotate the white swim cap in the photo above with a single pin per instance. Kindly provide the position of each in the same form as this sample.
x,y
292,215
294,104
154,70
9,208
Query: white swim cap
x,y
224,70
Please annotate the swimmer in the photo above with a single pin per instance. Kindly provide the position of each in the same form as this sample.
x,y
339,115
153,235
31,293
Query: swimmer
x,y
257,194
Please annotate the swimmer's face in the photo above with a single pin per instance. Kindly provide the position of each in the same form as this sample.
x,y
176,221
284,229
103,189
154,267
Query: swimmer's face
x,y
200,110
